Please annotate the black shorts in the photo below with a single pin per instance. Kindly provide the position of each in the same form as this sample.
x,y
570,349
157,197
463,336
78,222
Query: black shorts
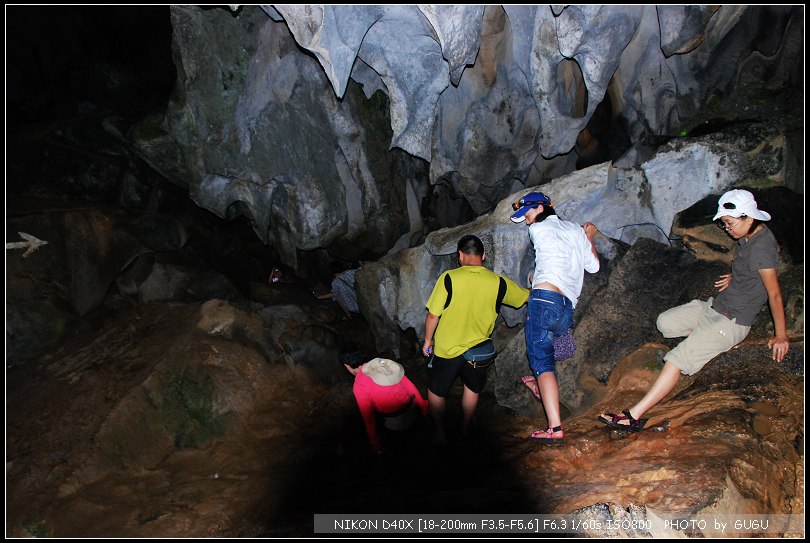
x,y
442,372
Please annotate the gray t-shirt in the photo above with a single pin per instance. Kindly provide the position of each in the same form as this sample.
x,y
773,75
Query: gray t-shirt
x,y
746,294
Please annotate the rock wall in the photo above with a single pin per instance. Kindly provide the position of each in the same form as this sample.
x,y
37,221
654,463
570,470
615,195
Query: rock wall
x,y
627,204
290,114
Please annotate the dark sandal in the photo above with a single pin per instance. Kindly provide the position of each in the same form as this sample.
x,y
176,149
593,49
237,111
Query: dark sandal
x,y
544,436
633,425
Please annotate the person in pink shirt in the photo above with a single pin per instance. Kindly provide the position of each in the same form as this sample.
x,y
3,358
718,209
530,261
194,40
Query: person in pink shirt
x,y
383,392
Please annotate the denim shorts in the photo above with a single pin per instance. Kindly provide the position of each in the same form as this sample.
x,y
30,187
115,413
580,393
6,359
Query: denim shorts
x,y
549,314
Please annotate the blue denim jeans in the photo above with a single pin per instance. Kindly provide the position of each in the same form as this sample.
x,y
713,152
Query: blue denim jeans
x,y
549,314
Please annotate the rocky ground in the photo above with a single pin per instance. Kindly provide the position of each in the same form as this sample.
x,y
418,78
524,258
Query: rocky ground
x,y
230,416
97,446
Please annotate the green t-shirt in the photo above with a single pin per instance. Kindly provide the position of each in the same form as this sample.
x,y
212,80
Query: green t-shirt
x,y
470,317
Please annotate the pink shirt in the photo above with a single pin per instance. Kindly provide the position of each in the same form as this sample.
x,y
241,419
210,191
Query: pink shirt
x,y
373,398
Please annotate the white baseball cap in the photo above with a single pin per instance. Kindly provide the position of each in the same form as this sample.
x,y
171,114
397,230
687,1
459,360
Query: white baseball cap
x,y
738,202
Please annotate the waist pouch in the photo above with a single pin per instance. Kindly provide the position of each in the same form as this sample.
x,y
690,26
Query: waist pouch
x,y
404,418
482,355
564,346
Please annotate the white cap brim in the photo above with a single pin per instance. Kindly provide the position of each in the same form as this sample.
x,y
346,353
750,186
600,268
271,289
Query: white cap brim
x,y
755,214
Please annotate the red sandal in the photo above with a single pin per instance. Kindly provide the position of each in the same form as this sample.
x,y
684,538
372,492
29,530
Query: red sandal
x,y
531,383
547,435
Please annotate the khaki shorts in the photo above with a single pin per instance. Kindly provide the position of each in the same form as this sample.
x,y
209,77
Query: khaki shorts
x,y
708,334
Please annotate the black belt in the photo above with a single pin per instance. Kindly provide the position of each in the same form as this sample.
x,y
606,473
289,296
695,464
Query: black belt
x,y
401,411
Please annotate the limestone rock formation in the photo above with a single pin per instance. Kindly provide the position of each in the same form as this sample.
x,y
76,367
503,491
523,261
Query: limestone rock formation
x,y
51,290
151,395
485,101
627,204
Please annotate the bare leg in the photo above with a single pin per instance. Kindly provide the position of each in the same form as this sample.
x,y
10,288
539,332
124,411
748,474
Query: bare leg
x,y
550,394
661,387
438,407
469,401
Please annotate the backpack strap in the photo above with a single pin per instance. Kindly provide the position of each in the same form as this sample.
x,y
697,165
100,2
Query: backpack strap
x,y
501,294
448,286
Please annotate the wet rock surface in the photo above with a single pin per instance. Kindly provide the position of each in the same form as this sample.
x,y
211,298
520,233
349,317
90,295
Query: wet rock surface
x,y
160,428
186,416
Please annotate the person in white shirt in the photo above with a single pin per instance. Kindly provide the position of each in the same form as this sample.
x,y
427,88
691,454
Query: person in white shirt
x,y
564,251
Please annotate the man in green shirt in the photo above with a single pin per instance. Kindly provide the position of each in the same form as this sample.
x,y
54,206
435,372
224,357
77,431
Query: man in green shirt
x,y
461,312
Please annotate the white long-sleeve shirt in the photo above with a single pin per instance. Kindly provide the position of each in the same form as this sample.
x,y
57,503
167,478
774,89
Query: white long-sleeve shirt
x,y
562,255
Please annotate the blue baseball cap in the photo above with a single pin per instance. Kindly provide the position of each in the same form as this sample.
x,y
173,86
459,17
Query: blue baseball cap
x,y
530,201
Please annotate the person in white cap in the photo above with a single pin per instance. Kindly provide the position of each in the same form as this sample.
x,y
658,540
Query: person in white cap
x,y
714,326
382,390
